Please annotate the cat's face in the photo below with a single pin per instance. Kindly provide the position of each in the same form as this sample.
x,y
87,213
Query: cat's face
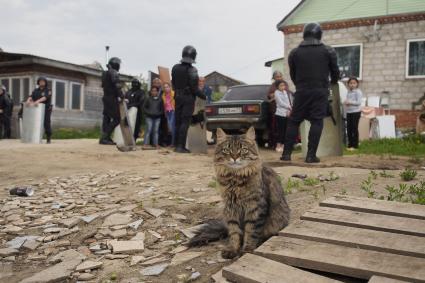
x,y
236,152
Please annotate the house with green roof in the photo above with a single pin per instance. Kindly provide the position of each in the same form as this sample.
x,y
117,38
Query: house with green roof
x,y
382,42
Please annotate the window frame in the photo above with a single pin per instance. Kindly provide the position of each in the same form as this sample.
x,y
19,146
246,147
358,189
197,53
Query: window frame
x,y
71,83
65,106
21,85
361,55
408,41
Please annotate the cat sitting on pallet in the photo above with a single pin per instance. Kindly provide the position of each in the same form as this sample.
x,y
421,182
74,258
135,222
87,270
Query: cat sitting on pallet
x,y
254,205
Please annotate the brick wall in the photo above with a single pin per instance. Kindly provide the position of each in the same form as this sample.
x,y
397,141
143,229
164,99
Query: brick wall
x,y
384,61
405,119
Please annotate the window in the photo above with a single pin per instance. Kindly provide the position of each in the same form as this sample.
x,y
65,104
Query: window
x,y
75,102
350,59
415,58
59,94
18,88
16,91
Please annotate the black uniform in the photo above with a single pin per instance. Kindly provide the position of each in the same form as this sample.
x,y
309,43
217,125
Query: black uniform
x,y
111,92
6,107
37,94
310,65
185,84
135,97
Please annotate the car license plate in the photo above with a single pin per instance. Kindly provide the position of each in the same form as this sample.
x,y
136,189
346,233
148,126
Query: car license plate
x,y
230,110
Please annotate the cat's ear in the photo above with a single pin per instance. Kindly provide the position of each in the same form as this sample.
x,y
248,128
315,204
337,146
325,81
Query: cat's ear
x,y
250,134
221,135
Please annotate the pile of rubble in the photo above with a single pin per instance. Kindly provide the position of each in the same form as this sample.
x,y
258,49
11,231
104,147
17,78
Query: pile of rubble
x,y
73,225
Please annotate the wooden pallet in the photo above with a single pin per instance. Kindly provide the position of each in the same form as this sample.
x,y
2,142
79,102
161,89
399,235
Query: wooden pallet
x,y
376,240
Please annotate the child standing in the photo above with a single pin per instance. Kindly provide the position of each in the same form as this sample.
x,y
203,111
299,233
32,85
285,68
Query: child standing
x,y
169,107
283,110
353,109
153,107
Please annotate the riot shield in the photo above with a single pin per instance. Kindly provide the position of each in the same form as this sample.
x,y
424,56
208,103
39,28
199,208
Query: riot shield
x,y
32,123
123,134
197,135
331,141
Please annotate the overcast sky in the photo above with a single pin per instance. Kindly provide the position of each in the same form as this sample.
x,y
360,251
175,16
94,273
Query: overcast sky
x,y
234,37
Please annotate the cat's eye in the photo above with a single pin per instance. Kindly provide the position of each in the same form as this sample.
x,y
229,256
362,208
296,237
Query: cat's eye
x,y
226,150
244,150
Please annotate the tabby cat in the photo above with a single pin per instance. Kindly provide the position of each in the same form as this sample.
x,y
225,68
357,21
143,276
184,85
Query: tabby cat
x,y
254,205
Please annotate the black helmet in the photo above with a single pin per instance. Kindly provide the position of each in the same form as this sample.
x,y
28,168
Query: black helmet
x,y
135,83
114,63
312,30
188,54
41,79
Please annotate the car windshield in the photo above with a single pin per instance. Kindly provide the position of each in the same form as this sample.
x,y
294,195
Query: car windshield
x,y
255,92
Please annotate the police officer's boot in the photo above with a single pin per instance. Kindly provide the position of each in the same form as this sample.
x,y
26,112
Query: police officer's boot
x,y
286,155
105,139
311,156
48,139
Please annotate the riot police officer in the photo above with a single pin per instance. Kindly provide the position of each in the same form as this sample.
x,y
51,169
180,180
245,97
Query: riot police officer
x,y
310,64
6,110
135,97
111,93
42,94
185,84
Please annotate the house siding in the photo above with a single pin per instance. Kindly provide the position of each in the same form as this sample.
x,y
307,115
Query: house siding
x,y
334,10
384,61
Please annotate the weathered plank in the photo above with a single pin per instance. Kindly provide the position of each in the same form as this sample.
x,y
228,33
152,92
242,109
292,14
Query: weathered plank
x,y
356,237
347,261
256,269
376,206
380,279
379,222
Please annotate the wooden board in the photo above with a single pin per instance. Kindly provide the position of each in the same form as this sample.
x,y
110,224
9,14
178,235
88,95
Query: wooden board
x,y
164,74
380,279
379,222
255,269
394,208
357,237
347,261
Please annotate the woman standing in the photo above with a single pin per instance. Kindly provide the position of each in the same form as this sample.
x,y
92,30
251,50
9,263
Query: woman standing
x,y
169,109
153,108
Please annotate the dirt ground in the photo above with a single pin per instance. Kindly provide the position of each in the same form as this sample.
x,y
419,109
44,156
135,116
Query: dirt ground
x,y
176,183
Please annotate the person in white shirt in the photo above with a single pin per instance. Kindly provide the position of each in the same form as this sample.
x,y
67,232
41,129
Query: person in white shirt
x,y
283,110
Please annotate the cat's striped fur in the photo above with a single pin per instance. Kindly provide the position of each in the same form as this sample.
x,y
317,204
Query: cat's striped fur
x,y
254,205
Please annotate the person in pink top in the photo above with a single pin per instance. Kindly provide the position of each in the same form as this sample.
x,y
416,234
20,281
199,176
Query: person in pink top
x,y
169,108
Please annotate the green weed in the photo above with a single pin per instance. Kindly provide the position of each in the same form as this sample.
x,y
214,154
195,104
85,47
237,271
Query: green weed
x,y
291,184
408,174
311,181
367,186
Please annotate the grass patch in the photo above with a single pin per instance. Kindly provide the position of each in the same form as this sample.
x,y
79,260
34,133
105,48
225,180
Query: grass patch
x,y
412,145
408,174
290,185
311,181
212,184
70,133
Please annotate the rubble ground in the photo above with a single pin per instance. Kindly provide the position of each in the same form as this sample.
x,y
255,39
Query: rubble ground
x,y
100,215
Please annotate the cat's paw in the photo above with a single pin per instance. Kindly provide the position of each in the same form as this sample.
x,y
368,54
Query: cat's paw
x,y
229,254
